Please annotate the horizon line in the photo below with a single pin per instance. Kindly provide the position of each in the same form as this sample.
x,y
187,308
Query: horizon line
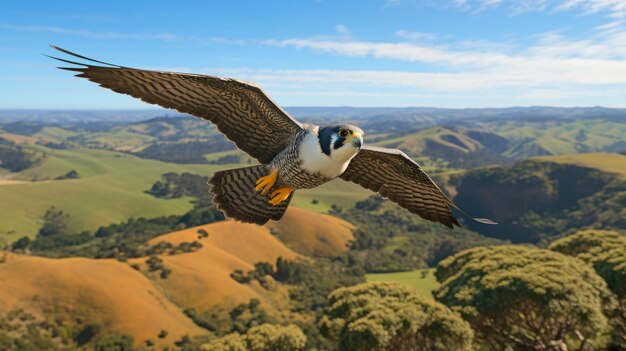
x,y
323,106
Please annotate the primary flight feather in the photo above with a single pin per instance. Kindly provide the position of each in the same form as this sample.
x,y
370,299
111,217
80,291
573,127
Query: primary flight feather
x,y
292,155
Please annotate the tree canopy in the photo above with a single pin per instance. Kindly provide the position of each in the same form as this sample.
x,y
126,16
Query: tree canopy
x,y
54,223
265,337
391,316
525,298
606,252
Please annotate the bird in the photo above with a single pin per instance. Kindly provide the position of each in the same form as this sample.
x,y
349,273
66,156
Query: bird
x,y
291,155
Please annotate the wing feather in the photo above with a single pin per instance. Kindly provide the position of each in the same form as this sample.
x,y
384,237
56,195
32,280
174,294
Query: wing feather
x,y
241,111
394,175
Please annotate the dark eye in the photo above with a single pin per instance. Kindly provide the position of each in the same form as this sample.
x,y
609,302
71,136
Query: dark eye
x,y
343,133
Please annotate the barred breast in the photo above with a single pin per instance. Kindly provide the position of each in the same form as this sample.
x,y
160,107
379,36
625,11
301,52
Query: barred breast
x,y
294,162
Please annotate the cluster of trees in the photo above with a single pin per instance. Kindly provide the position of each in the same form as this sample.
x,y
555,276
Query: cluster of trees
x,y
14,158
72,174
309,284
605,251
391,239
524,298
185,152
174,185
53,234
21,331
237,320
495,298
155,264
391,316
167,248
266,337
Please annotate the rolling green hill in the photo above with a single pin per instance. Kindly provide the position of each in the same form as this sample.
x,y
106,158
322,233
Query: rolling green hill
x,y
111,190
477,143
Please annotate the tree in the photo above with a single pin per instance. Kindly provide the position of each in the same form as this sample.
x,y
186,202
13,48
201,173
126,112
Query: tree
x,y
391,316
606,252
54,223
265,337
523,298
21,244
114,343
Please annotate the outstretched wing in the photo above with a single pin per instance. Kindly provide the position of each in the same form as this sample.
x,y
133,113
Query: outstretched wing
x,y
394,175
240,110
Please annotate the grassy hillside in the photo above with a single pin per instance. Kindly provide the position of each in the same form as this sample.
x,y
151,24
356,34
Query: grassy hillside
x,y
201,279
473,143
313,234
422,280
111,190
106,294
558,138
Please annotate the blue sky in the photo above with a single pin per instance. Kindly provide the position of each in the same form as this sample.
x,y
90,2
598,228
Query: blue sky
x,y
442,53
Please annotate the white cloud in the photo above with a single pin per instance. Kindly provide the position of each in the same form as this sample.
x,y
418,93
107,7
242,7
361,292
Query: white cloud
x,y
369,87
415,36
393,50
555,66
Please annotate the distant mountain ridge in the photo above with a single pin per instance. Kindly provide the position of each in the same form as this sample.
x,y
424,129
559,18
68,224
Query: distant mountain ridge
x,y
425,115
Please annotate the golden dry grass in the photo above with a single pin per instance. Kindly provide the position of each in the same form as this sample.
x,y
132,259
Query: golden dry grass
x,y
104,292
201,279
313,234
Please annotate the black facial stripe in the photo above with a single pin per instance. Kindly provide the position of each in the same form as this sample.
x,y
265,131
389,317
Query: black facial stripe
x,y
324,136
338,143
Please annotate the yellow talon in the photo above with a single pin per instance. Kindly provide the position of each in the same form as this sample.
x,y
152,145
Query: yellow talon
x,y
280,195
264,184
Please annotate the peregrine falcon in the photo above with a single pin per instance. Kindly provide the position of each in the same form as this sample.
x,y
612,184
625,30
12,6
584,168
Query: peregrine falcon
x,y
292,155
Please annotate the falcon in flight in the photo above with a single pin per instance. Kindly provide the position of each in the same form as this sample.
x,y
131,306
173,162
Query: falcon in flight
x,y
292,155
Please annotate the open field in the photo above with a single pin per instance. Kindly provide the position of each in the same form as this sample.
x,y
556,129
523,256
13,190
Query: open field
x,y
424,284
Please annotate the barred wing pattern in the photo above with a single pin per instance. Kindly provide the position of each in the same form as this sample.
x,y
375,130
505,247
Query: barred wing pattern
x,y
240,110
392,174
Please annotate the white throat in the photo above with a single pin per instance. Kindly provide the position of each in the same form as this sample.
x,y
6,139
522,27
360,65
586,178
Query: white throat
x,y
314,160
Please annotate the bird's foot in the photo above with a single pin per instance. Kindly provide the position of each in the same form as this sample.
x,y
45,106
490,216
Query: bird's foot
x,y
264,184
279,195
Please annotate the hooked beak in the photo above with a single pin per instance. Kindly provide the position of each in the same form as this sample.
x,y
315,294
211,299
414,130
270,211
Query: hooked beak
x,y
356,139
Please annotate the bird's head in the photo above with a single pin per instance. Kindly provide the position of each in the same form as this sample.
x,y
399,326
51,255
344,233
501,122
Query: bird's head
x,y
341,141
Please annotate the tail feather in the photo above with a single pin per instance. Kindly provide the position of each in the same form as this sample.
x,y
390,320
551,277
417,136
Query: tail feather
x,y
234,194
